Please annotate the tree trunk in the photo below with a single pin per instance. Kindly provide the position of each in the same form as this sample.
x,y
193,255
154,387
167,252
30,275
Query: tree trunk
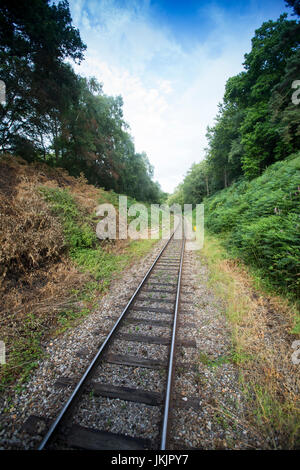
x,y
225,178
207,188
55,142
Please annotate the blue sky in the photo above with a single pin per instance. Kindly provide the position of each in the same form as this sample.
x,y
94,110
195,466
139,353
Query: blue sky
x,y
170,60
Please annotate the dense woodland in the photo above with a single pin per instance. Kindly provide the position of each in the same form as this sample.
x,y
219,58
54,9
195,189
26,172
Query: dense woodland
x,y
52,114
250,179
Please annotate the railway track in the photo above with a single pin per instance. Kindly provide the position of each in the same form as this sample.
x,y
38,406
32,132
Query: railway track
x,y
156,298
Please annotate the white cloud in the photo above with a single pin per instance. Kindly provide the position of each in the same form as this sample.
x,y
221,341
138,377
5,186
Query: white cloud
x,y
170,96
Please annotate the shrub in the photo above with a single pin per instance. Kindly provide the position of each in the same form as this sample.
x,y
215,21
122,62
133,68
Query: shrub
x,y
273,245
260,220
77,231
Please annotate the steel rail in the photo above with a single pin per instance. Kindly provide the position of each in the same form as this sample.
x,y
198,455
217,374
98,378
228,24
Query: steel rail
x,y
56,425
165,428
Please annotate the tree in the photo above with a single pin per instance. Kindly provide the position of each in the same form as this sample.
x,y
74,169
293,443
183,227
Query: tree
x,y
261,138
177,197
35,39
285,114
224,152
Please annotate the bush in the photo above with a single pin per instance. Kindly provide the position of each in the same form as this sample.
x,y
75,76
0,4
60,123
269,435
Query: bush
x,y
273,245
260,220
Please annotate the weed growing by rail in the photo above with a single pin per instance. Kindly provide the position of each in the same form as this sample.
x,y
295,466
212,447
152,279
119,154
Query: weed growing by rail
x,y
263,328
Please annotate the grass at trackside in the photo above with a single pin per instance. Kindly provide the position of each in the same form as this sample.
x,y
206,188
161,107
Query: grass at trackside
x,y
215,250
102,262
104,265
265,368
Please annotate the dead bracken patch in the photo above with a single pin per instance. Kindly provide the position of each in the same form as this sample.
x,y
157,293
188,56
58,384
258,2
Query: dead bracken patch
x,y
29,234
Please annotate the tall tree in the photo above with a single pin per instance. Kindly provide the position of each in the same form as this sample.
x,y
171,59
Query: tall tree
x,y
35,39
273,45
